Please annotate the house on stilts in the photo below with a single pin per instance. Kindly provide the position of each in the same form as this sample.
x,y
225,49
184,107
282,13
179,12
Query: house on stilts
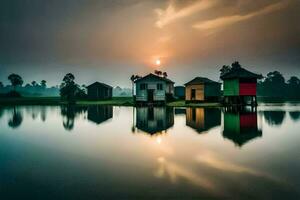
x,y
239,87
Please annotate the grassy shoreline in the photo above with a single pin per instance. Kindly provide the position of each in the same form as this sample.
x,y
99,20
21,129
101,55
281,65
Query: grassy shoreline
x,y
115,101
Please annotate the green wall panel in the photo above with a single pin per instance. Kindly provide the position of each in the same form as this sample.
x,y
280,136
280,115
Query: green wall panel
x,y
231,87
231,123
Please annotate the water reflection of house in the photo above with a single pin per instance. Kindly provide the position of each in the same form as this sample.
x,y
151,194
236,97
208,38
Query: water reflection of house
x,y
99,114
202,119
241,126
154,119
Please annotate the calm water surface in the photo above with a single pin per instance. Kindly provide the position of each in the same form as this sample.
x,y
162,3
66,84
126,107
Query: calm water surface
x,y
108,152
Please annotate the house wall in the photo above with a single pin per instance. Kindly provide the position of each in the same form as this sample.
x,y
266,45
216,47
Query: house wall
x,y
212,90
231,87
97,92
170,88
179,91
199,92
142,95
247,89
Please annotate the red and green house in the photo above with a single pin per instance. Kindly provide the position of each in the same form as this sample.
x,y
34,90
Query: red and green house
x,y
240,85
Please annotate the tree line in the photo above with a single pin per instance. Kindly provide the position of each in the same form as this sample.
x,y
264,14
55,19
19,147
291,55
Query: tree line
x,y
68,89
17,88
275,85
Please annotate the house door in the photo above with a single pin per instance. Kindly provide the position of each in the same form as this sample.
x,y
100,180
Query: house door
x,y
193,94
150,95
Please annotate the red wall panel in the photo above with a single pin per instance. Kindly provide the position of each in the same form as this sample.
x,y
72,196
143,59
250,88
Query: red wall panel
x,y
248,89
248,120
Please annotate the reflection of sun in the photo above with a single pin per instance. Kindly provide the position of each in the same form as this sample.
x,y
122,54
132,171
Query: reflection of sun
x,y
157,62
158,140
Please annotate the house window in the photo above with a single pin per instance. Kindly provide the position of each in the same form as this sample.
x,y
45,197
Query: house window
x,y
159,86
143,86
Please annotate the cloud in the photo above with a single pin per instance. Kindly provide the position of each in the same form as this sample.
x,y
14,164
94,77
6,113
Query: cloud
x,y
170,14
229,20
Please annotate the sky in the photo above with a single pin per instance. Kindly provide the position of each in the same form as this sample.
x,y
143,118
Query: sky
x,y
108,41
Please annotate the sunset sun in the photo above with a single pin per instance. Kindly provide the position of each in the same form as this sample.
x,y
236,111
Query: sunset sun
x,y
157,62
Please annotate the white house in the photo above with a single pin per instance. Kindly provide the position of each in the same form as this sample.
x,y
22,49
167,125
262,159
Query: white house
x,y
153,89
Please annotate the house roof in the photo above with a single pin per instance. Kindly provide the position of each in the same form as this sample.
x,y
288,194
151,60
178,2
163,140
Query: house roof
x,y
153,76
201,80
99,84
240,73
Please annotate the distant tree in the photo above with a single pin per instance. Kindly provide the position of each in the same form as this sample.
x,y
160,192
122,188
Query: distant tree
x,y
133,78
16,80
34,83
225,69
43,84
275,78
158,73
165,74
69,88
1,85
273,85
235,65
293,85
294,81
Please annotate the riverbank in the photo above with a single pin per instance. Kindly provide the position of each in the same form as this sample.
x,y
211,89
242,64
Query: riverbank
x,y
115,101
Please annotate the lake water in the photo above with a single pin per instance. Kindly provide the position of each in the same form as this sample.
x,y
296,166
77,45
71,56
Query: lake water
x,y
104,152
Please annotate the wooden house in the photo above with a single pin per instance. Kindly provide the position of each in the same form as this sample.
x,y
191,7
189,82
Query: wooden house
x,y
152,89
179,92
99,114
240,87
99,91
154,120
202,89
202,119
241,126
